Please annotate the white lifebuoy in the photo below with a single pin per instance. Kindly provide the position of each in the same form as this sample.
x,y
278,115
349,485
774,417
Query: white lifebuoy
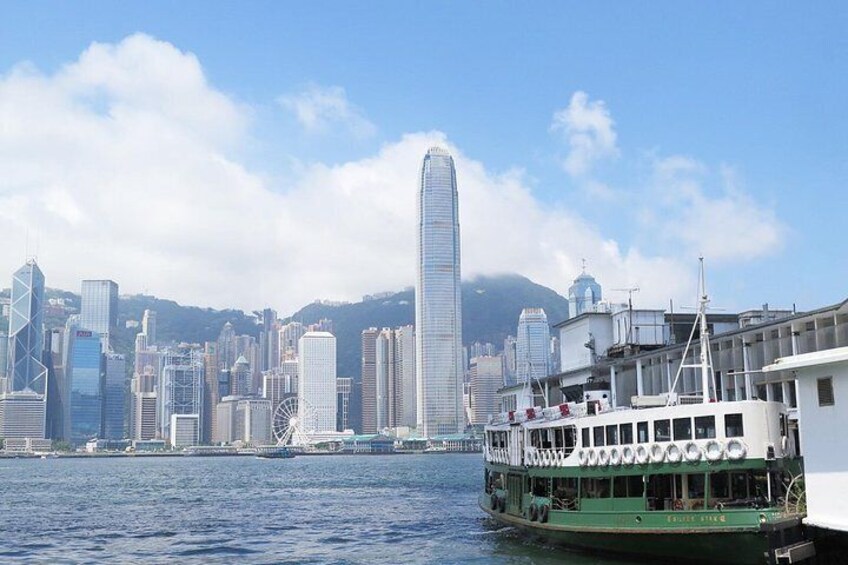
x,y
560,459
593,458
627,456
603,458
736,450
615,456
583,457
713,450
642,455
546,458
673,453
657,453
691,452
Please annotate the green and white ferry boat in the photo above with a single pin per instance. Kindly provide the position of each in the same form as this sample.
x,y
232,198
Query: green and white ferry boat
x,y
669,478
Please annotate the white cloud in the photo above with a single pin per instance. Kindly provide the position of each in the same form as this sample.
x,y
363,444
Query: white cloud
x,y
121,165
320,109
588,129
724,224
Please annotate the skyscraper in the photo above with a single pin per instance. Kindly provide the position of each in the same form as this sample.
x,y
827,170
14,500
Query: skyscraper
x,y
26,375
113,395
82,373
26,340
316,383
369,380
99,309
486,378
438,309
182,387
405,351
532,348
583,294
148,326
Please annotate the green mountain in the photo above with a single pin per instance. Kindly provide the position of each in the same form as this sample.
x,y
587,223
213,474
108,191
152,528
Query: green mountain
x,y
490,305
490,309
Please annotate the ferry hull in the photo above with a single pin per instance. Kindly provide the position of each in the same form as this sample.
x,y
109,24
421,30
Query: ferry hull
x,y
742,546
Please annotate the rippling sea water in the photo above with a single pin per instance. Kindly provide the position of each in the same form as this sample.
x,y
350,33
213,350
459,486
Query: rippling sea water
x,y
317,509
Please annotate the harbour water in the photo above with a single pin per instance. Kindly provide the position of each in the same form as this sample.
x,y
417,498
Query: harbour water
x,y
332,509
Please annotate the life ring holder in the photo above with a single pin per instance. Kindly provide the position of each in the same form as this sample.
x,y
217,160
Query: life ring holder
x,y
673,453
615,457
713,450
691,452
736,450
657,453
627,455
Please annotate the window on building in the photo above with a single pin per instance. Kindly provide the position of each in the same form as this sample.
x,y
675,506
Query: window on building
x,y
777,392
642,432
682,429
625,434
599,436
612,435
825,390
662,430
705,427
733,425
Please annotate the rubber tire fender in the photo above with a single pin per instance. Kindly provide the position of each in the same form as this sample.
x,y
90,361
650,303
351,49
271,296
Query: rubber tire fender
x,y
543,514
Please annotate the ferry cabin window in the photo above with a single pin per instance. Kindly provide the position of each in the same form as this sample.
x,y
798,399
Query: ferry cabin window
x,y
705,427
585,437
682,429
733,425
662,430
642,432
625,433
612,435
628,487
599,436
595,488
719,486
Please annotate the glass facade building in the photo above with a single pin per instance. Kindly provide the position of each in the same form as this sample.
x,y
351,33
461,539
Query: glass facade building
x,y
438,309
532,347
99,308
26,339
182,386
83,372
113,396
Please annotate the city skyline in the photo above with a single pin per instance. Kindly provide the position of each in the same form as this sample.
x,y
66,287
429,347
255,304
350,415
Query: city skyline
x,y
581,158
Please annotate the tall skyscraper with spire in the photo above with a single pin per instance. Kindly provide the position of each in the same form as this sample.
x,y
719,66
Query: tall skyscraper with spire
x,y
533,345
26,338
438,307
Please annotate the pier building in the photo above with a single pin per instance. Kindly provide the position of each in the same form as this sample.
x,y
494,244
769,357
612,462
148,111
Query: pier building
x,y
642,359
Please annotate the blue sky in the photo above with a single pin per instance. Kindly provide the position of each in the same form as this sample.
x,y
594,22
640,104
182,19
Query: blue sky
x,y
753,92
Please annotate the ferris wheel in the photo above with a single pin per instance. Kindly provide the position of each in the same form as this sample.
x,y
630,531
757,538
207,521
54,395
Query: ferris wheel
x,y
294,422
